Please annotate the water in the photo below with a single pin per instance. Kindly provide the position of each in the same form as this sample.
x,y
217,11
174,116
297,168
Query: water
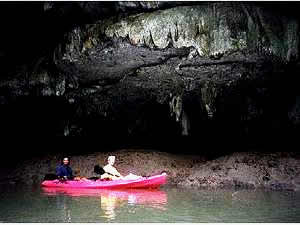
x,y
169,204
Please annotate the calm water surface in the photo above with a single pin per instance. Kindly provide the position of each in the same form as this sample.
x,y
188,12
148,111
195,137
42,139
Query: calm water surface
x,y
169,204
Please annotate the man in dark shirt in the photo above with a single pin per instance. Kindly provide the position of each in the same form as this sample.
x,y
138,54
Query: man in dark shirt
x,y
64,171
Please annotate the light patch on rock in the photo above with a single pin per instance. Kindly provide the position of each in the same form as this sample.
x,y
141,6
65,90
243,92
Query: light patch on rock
x,y
202,27
176,108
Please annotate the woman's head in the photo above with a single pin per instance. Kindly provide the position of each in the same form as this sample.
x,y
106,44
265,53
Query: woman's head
x,y
111,159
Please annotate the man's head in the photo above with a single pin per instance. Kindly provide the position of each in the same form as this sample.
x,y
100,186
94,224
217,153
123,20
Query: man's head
x,y
66,161
111,159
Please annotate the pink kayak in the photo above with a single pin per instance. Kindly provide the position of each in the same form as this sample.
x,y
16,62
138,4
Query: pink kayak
x,y
143,182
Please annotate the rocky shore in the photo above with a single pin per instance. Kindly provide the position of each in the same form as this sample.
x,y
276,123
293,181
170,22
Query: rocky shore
x,y
277,171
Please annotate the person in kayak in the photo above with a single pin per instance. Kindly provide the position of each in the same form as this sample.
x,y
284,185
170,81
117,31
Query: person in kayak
x,y
64,171
111,173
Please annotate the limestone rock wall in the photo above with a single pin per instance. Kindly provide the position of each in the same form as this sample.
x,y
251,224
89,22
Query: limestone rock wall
x,y
210,28
207,68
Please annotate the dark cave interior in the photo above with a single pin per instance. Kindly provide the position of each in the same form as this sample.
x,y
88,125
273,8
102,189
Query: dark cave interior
x,y
31,123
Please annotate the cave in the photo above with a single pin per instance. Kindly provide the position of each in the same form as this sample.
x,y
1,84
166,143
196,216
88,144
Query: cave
x,y
194,78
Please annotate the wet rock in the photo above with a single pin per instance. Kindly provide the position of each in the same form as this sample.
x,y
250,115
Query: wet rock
x,y
281,186
231,172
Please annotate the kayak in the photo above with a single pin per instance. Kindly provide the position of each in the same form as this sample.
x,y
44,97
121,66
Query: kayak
x,y
142,182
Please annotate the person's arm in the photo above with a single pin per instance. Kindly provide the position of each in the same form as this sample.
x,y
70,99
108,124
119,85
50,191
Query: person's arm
x,y
70,173
112,171
58,171
116,172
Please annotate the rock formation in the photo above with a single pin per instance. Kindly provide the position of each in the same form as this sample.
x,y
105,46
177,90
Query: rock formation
x,y
153,69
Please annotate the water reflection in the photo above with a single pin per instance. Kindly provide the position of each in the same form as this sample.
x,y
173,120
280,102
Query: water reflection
x,y
110,200
62,203
108,204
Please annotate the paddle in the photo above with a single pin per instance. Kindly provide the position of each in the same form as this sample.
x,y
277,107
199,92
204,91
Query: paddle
x,y
97,169
50,176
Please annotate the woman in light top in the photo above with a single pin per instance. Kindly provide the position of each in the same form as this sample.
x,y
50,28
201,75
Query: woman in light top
x,y
112,173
